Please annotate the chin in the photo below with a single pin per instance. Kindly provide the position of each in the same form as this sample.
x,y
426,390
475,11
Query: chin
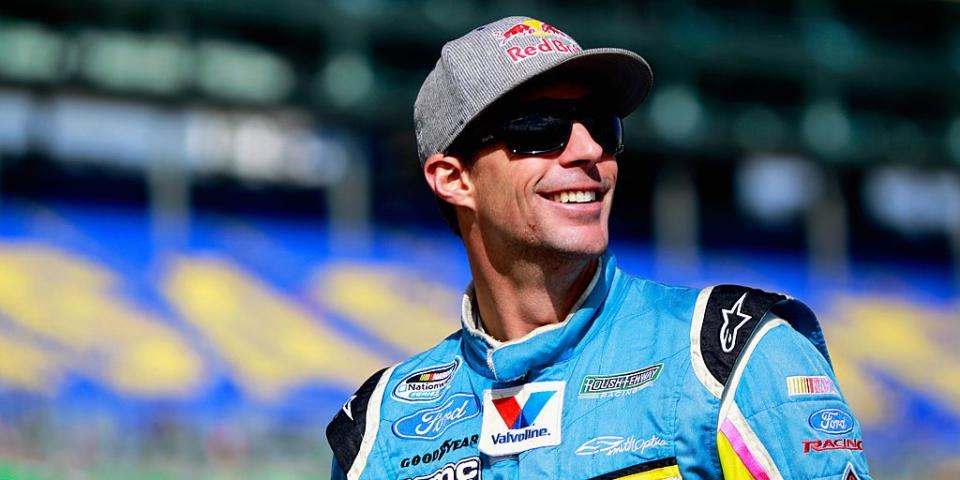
x,y
578,244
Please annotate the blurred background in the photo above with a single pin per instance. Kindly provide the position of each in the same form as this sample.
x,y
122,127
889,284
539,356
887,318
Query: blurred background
x,y
213,225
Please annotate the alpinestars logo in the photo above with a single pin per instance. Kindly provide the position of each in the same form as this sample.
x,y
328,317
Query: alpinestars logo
x,y
520,418
348,407
728,338
850,473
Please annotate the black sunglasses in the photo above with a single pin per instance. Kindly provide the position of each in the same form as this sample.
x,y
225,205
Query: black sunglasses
x,y
545,126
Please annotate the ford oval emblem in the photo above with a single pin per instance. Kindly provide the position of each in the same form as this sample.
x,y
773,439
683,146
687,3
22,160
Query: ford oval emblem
x,y
430,423
832,420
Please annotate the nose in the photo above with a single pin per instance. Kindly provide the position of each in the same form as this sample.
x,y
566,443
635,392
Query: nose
x,y
581,147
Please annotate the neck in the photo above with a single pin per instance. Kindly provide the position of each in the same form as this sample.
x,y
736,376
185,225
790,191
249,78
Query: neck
x,y
518,293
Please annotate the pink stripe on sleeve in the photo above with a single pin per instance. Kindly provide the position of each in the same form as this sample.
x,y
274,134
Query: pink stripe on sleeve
x,y
740,447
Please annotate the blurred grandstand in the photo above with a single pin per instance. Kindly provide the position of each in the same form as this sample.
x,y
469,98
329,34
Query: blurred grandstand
x,y
212,221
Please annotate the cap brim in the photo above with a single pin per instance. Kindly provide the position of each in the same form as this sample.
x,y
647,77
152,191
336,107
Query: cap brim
x,y
619,75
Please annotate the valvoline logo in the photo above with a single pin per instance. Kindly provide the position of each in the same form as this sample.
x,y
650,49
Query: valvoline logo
x,y
516,417
520,418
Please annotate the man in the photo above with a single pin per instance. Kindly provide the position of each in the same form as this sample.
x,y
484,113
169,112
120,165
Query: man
x,y
565,366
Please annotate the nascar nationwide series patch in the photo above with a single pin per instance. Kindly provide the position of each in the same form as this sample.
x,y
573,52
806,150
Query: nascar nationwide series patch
x,y
427,385
601,386
521,418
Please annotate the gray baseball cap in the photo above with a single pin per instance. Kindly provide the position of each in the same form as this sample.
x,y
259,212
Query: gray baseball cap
x,y
479,68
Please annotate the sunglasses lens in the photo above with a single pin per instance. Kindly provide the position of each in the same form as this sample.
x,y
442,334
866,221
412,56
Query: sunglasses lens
x,y
546,128
607,131
536,133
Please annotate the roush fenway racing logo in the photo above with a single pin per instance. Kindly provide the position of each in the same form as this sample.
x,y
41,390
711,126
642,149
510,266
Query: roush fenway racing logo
x,y
832,444
599,386
548,40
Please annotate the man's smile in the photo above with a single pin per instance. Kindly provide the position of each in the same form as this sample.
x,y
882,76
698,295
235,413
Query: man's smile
x,y
575,196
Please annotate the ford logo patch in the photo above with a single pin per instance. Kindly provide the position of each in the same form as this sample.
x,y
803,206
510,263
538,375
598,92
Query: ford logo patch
x,y
430,423
832,421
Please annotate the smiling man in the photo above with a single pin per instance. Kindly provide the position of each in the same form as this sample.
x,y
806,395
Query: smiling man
x,y
566,366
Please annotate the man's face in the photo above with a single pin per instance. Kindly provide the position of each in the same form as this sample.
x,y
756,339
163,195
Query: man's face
x,y
559,201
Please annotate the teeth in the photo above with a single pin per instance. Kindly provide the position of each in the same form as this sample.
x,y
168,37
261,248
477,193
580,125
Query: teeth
x,y
575,197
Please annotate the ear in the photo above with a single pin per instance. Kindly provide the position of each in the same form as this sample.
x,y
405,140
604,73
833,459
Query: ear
x,y
448,178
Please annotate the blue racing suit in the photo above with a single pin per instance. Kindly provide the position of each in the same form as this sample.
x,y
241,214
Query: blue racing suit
x,y
641,381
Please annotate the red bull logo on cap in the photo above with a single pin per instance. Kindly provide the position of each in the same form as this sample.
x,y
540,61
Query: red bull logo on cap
x,y
525,28
548,39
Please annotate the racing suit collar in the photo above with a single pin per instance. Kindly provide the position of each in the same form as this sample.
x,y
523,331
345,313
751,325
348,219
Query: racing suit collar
x,y
512,360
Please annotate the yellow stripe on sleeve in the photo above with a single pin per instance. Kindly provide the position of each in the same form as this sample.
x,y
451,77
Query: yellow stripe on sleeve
x,y
733,467
666,473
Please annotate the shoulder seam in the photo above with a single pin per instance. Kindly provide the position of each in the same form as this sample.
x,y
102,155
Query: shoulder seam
x,y
696,355
371,426
724,319
730,389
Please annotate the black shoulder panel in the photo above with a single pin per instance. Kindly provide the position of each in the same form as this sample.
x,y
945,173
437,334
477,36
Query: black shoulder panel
x,y
730,317
804,321
345,431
